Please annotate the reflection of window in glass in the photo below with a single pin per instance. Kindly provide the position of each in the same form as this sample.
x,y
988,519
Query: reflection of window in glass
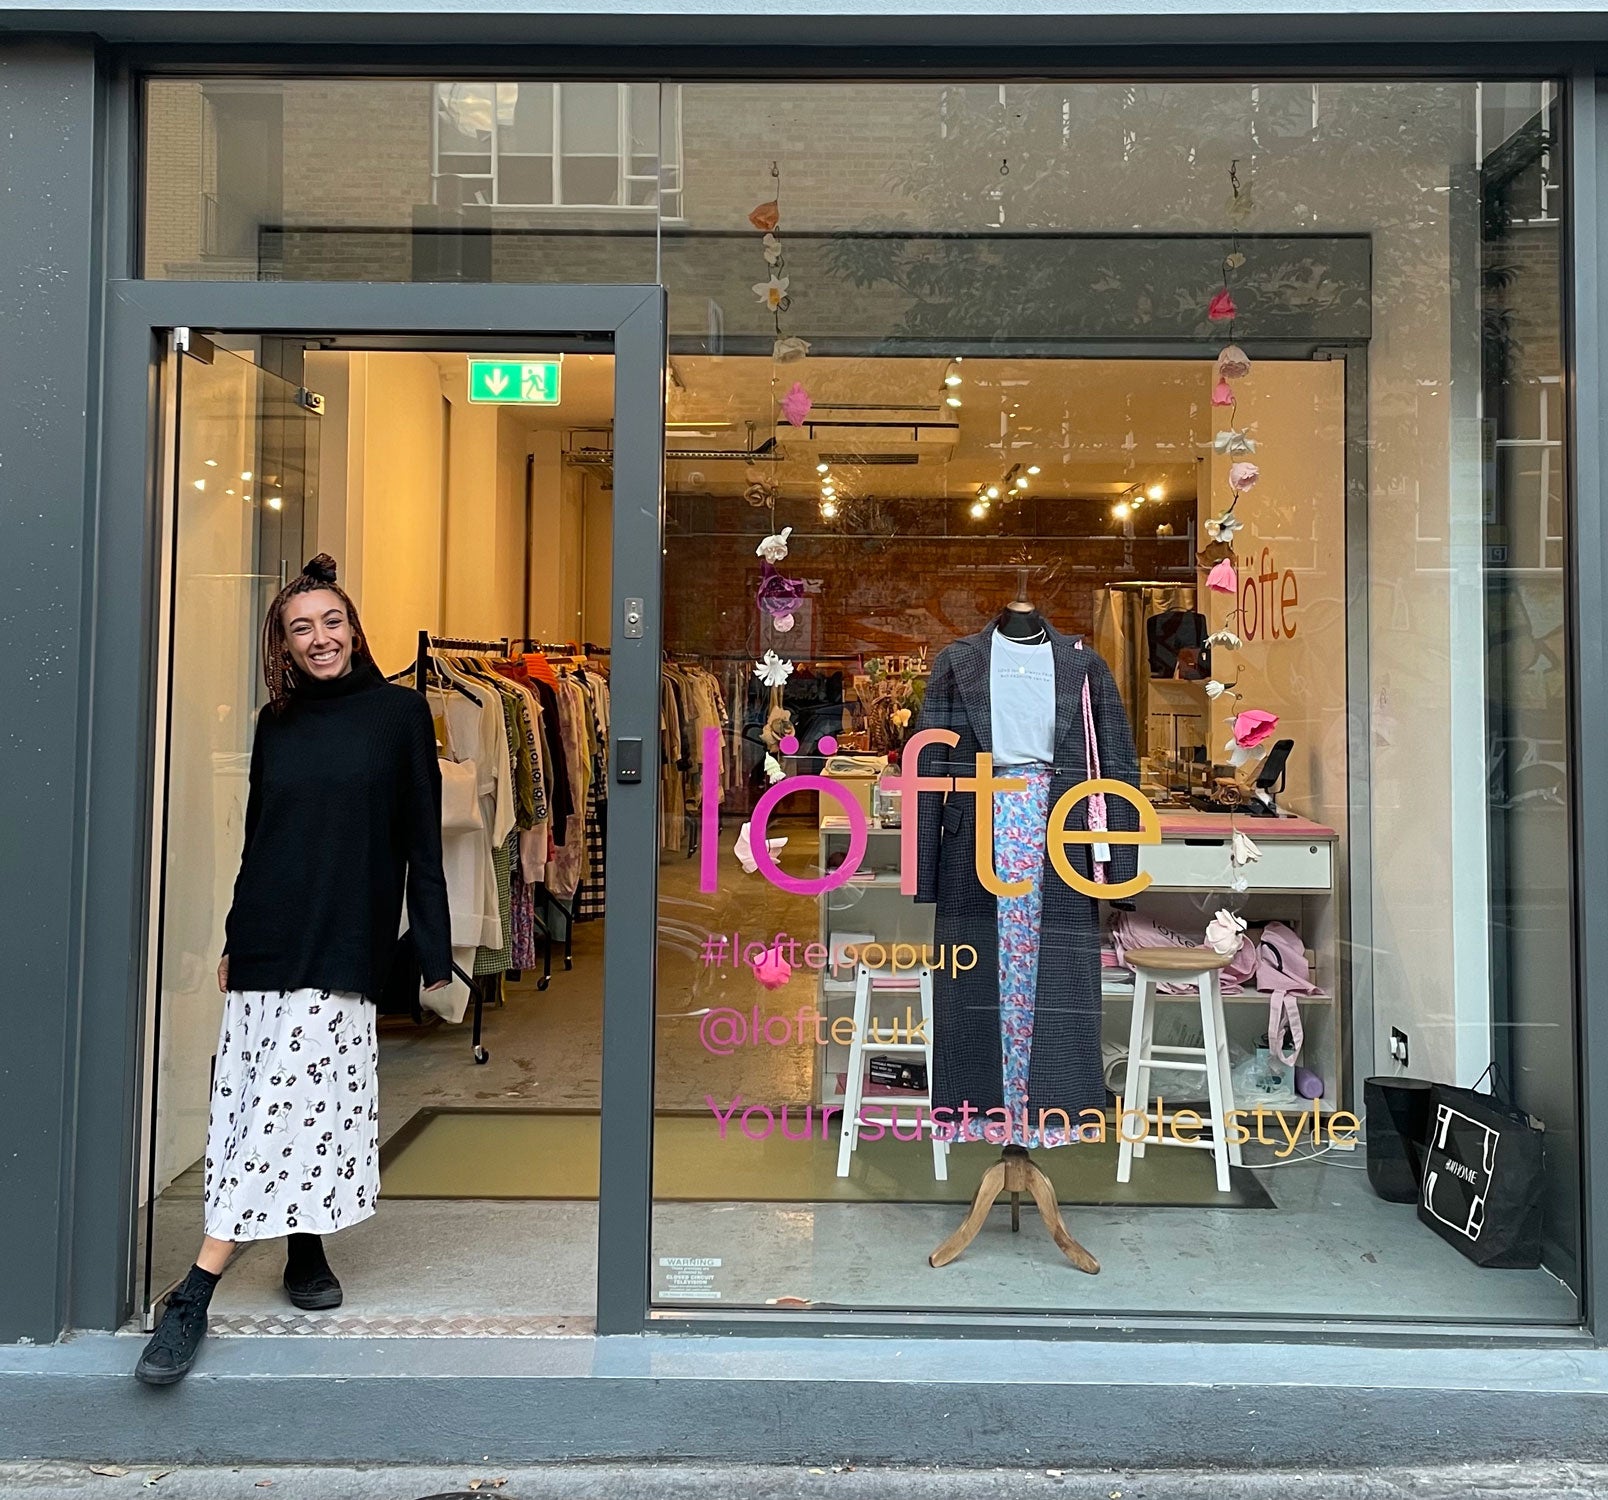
x,y
1530,470
559,145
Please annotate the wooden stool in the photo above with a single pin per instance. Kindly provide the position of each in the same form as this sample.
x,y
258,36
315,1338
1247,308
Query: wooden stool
x,y
1201,968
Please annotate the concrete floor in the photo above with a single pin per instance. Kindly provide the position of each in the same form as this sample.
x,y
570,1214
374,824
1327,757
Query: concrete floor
x,y
1330,1249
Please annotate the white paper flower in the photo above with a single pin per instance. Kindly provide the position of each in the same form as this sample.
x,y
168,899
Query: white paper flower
x,y
773,292
772,670
1222,528
1223,932
787,349
1231,440
1239,881
773,249
1238,755
1216,689
1225,638
1243,850
774,548
744,850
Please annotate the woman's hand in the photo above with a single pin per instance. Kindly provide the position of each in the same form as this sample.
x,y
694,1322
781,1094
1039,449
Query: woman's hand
x,y
429,989
223,974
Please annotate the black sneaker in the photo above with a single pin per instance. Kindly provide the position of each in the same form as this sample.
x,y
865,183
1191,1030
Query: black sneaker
x,y
313,1287
173,1347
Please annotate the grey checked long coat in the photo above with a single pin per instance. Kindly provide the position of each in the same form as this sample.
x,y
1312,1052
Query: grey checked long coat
x,y
1064,1070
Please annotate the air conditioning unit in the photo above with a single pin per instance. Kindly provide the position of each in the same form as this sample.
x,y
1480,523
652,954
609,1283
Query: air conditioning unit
x,y
857,435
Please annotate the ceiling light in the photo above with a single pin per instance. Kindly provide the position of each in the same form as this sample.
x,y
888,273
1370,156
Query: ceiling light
x,y
1032,468
228,492
1120,510
992,492
245,474
951,378
1021,481
200,484
952,400
828,509
1155,492
829,489
275,503
246,498
978,510
212,463
823,468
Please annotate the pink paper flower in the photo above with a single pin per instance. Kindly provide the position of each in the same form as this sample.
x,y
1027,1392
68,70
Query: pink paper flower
x,y
796,405
771,969
1242,476
1253,726
1221,309
1222,394
1223,578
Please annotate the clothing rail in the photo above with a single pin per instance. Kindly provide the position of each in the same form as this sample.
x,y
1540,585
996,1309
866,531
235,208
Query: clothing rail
x,y
421,675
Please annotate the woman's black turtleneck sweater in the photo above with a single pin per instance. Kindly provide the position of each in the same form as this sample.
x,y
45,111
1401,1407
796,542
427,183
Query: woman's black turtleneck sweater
x,y
344,815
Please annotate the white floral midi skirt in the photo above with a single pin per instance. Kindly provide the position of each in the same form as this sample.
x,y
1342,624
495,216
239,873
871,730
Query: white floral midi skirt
x,y
293,1132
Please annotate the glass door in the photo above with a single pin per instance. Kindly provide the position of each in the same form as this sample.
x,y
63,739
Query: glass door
x,y
240,486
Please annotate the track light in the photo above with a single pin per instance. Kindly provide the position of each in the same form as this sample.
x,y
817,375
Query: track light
x,y
823,468
1032,468
979,509
1121,510
828,509
1155,492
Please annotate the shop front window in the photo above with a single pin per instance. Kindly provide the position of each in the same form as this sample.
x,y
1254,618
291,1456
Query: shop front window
x,y
1203,441
1188,457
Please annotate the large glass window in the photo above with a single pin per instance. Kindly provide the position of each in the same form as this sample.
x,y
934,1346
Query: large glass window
x,y
1249,394
1252,395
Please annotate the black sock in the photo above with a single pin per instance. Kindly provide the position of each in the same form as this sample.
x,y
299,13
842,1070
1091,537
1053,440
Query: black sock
x,y
202,1284
304,1253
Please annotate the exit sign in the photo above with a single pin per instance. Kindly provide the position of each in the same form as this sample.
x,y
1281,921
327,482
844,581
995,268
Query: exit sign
x,y
514,382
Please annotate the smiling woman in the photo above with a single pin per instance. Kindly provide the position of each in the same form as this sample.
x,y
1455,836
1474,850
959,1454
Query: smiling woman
x,y
344,815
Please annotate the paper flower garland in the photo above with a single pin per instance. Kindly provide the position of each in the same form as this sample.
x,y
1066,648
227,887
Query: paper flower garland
x,y
772,670
766,217
1223,579
774,548
1225,638
1223,527
1232,362
1242,476
1221,309
1222,394
785,350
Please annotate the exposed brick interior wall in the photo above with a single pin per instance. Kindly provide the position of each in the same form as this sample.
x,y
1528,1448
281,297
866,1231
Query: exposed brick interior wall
x,y
918,587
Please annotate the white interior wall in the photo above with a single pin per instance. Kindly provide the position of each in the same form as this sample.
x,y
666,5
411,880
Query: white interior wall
x,y
473,605
598,517
397,437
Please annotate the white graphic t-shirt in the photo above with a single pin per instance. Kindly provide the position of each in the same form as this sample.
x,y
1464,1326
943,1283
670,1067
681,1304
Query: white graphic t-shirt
x,y
1022,693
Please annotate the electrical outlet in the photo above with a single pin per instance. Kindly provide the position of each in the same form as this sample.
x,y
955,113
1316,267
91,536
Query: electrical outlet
x,y
1398,1045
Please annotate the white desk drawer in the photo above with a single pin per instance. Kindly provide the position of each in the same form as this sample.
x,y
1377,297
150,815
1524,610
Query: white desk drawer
x,y
1202,864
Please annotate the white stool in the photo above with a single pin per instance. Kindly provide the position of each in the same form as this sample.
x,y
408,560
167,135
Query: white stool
x,y
868,981
1201,968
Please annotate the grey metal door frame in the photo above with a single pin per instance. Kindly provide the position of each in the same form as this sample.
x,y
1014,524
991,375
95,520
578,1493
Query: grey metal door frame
x,y
120,767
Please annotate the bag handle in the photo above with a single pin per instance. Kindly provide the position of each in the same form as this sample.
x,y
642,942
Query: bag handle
x,y
1499,1090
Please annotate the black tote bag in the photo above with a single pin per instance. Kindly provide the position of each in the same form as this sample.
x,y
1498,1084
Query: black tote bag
x,y
1481,1189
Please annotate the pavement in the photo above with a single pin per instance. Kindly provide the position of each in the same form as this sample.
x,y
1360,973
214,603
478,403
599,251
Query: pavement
x,y
110,1481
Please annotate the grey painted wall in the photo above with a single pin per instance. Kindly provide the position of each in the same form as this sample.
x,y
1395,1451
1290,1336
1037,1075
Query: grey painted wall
x,y
48,268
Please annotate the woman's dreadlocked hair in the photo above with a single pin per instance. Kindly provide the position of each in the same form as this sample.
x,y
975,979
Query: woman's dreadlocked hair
x,y
278,668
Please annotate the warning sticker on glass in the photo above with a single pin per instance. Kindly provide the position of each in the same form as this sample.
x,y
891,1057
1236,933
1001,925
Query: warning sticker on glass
x,y
688,1278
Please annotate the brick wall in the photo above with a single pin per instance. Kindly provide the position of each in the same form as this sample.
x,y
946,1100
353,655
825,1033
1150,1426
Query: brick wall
x,y
937,578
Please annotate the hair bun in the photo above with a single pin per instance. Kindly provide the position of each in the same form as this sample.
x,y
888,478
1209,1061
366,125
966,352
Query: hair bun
x,y
321,568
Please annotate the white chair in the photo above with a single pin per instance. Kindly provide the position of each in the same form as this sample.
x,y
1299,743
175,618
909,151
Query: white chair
x,y
885,982
1201,968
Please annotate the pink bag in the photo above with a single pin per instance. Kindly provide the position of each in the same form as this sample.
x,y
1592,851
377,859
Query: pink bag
x,y
1281,970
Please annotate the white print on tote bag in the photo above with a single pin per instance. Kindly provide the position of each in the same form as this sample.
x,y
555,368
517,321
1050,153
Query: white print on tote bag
x,y
1470,1211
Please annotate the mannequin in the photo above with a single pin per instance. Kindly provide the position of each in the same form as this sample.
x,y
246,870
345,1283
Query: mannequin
x,y
1018,1038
